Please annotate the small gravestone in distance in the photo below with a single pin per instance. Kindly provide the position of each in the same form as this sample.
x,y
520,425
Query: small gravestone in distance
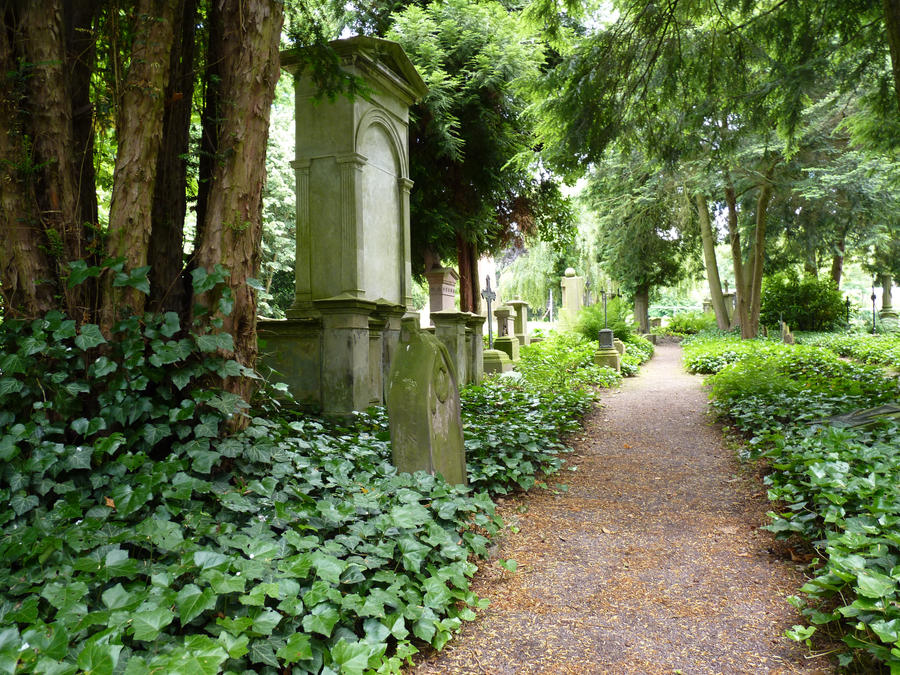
x,y
423,407
607,354
505,342
494,360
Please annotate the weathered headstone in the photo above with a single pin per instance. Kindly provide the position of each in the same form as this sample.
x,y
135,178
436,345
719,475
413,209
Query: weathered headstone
x,y
572,297
786,335
619,346
442,288
450,330
520,321
353,274
475,350
607,354
423,407
504,341
493,360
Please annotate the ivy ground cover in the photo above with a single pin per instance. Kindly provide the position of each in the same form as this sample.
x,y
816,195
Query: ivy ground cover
x,y
137,539
834,485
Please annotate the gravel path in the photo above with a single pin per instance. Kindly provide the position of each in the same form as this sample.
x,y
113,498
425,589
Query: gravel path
x,y
651,562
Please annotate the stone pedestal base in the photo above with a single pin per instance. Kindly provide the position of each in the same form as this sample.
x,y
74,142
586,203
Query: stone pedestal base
x,y
888,314
496,361
508,344
608,357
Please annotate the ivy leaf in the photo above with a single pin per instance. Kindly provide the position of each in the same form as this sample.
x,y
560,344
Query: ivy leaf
x,y
321,620
875,585
136,278
409,516
213,341
352,657
9,385
328,567
147,624
209,560
79,271
297,648
89,337
171,324
99,659
266,621
201,655
235,646
23,503
192,602
117,597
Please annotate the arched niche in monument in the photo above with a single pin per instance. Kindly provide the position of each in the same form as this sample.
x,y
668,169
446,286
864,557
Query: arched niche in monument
x,y
382,208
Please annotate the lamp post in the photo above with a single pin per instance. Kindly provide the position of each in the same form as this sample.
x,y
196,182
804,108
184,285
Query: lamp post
x,y
847,303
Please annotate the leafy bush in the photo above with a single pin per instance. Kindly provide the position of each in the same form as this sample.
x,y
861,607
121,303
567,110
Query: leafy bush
x,y
807,304
135,539
880,349
710,351
639,347
836,487
563,361
689,323
619,319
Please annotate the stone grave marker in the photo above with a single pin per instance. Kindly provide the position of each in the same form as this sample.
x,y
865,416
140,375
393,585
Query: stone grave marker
x,y
572,298
520,321
441,289
493,360
506,342
423,407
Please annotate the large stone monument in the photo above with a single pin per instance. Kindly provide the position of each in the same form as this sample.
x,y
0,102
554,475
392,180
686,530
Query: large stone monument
x,y
887,313
353,273
572,299
423,406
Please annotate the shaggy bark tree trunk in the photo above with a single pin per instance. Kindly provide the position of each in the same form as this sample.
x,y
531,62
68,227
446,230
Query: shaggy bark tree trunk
x,y
232,229
741,315
139,128
80,63
712,267
837,260
642,307
210,118
469,287
28,280
759,251
168,291
49,115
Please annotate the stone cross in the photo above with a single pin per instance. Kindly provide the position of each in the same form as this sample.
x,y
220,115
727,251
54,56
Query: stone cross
x,y
489,296
726,285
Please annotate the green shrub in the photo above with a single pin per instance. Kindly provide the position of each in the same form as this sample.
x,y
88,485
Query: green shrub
x,y
564,361
807,304
834,486
689,323
618,318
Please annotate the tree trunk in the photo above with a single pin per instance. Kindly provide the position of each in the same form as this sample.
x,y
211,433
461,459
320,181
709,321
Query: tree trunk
x,y
712,267
168,291
79,17
837,260
469,288
642,307
49,115
27,274
210,118
139,132
759,251
892,24
232,229
81,58
886,300
741,316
